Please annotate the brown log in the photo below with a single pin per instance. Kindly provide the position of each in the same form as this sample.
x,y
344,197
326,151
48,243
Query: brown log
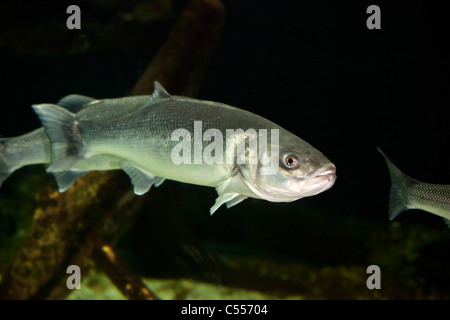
x,y
121,274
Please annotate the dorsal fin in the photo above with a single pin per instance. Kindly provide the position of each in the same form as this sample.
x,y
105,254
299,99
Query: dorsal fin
x,y
74,102
159,92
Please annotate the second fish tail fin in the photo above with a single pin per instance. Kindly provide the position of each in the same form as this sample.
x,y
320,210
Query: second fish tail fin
x,y
63,130
400,183
5,165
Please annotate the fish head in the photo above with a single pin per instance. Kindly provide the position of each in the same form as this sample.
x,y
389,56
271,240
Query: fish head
x,y
295,171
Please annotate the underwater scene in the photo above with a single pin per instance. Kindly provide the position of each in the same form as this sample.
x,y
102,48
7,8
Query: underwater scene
x,y
121,169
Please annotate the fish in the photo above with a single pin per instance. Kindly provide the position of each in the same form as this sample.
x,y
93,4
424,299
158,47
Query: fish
x,y
147,145
34,147
407,193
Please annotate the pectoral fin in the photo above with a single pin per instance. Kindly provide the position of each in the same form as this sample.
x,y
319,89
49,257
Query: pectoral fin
x,y
141,180
235,201
228,192
226,198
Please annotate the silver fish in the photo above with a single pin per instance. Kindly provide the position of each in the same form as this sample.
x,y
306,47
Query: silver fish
x,y
142,144
408,193
34,147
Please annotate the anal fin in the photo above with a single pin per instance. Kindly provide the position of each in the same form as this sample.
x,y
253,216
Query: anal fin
x,y
65,179
158,181
141,180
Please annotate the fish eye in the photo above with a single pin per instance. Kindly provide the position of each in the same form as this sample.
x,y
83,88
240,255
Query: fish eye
x,y
290,161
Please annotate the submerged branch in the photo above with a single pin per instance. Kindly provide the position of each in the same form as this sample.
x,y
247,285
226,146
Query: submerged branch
x,y
121,275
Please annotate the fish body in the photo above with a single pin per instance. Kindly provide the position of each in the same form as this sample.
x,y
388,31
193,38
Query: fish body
x,y
142,143
27,149
408,193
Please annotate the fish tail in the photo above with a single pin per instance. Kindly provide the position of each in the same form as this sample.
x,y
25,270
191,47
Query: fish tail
x,y
63,130
400,183
5,167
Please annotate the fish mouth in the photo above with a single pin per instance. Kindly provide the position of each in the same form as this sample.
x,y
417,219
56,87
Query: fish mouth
x,y
331,171
317,182
322,180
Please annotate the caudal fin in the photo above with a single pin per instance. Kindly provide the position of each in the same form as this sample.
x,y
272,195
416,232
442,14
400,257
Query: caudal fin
x,y
62,129
5,169
398,198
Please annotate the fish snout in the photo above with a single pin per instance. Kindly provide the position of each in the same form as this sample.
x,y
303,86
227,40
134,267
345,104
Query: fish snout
x,y
324,178
327,171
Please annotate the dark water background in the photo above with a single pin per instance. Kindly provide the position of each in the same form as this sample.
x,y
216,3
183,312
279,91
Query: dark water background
x,y
311,66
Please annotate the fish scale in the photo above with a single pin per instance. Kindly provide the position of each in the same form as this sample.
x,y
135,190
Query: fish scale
x,y
433,198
